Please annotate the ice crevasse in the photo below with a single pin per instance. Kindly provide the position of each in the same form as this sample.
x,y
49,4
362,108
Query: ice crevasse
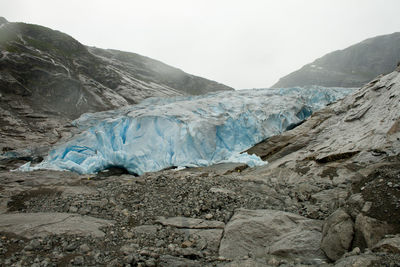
x,y
185,131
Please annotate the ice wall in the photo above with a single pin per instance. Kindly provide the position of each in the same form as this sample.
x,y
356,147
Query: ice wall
x,y
186,131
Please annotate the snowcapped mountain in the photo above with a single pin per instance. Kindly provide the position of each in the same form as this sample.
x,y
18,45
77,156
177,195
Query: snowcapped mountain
x,y
186,131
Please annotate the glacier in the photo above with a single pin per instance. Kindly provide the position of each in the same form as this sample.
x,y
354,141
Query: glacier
x,y
185,131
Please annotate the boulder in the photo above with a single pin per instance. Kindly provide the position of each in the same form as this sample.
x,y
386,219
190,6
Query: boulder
x,y
41,224
262,232
337,234
370,231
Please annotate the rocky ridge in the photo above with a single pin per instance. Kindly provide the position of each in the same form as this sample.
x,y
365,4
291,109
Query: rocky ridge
x,y
330,196
350,67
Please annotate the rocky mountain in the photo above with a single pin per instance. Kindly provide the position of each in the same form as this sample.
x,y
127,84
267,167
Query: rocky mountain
x,y
48,78
351,67
55,73
329,196
343,165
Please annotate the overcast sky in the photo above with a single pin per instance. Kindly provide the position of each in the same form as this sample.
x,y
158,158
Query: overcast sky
x,y
243,44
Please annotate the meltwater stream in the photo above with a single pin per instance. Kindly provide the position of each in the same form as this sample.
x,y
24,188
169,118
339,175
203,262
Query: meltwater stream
x,y
185,131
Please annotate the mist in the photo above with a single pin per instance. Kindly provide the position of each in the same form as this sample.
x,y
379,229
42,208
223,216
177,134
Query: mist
x,y
243,44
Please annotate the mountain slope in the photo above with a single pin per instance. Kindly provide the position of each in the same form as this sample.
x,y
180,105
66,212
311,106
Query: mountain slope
x,y
351,67
150,70
48,78
58,75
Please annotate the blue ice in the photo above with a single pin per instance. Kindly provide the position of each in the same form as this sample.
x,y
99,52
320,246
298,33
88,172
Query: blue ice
x,y
185,131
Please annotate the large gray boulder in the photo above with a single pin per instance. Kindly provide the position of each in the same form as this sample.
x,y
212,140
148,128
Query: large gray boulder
x,y
370,231
41,224
337,234
261,232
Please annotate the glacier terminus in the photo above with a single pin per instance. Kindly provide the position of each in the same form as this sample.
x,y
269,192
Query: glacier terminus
x,y
185,131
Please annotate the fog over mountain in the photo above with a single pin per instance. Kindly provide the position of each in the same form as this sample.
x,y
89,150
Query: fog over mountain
x,y
351,67
243,44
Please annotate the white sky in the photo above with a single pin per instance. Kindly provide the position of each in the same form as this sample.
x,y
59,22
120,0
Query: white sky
x,y
243,44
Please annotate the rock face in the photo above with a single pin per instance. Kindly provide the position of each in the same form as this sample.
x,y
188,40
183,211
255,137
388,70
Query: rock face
x,y
356,128
351,67
271,232
346,155
337,234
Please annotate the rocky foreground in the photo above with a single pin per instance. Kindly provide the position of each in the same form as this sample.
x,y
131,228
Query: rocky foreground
x,y
330,196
